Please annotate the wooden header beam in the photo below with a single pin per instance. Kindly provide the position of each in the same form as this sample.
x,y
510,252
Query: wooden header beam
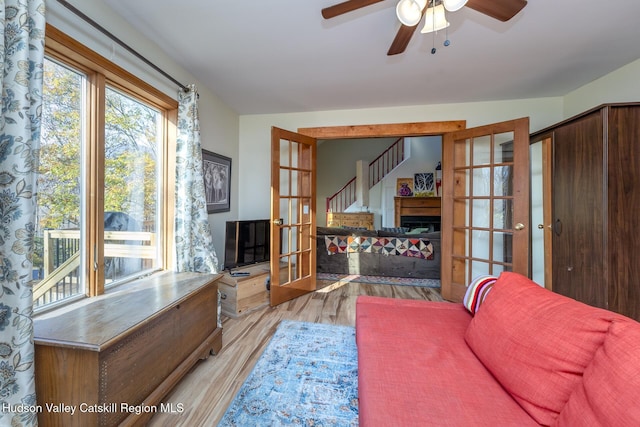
x,y
384,130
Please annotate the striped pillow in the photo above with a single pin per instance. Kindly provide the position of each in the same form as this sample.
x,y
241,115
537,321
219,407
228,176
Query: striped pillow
x,y
477,291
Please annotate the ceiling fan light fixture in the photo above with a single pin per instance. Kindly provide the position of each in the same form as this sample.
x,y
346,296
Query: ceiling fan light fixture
x,y
454,5
434,20
409,12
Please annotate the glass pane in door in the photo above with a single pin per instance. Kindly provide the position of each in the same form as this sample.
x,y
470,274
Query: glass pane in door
x,y
537,214
295,206
482,203
485,205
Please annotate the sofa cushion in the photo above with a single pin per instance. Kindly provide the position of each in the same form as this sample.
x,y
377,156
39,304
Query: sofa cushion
x,y
536,343
421,230
477,291
397,230
608,394
360,232
335,231
388,233
415,369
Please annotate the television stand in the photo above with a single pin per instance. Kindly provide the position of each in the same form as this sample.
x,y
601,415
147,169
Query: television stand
x,y
244,289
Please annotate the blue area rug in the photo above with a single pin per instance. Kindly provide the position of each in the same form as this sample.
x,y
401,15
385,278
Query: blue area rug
x,y
380,280
307,376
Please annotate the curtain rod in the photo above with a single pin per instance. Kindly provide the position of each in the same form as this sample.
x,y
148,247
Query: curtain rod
x,y
104,31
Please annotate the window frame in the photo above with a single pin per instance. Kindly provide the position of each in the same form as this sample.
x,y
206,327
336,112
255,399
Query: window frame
x,y
100,73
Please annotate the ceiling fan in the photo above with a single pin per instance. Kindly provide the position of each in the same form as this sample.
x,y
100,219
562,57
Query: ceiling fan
x,y
502,10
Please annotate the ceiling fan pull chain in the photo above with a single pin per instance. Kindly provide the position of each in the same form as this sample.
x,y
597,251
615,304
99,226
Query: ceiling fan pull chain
x,y
446,37
433,49
446,33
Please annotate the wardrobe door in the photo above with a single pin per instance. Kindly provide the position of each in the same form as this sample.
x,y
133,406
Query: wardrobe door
x,y
578,206
623,207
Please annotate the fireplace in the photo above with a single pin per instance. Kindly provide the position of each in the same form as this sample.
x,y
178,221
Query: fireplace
x,y
430,222
417,212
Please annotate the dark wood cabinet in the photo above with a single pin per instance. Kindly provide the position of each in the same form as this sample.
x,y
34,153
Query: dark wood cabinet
x,y
595,202
578,204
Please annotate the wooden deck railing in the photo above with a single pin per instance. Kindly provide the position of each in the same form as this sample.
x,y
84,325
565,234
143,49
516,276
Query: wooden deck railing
x,y
61,262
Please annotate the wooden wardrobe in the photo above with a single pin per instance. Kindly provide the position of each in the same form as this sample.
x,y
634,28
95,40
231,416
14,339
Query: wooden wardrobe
x,y
595,181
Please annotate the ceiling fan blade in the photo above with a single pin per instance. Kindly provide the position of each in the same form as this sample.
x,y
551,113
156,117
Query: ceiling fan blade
x,y
403,36
346,6
502,10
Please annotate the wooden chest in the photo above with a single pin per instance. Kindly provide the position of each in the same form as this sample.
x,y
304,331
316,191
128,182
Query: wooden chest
x,y
241,294
111,355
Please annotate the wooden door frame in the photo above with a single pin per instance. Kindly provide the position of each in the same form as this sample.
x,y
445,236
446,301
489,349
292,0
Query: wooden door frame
x,y
546,139
397,130
384,130
368,131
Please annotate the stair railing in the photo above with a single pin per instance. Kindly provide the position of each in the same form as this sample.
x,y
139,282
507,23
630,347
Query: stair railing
x,y
343,198
378,169
386,162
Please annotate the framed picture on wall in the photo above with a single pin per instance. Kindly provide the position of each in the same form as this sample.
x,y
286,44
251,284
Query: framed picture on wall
x,y
404,187
216,170
423,185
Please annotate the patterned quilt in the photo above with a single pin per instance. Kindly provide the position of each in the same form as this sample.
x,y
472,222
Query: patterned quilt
x,y
411,247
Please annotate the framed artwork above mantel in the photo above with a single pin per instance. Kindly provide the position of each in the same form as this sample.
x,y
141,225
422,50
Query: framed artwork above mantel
x,y
216,170
404,187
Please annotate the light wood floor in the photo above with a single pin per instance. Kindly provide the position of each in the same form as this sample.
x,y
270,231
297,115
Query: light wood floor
x,y
209,388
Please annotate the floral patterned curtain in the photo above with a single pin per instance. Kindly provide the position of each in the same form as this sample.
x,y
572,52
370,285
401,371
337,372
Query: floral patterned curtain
x,y
193,241
22,24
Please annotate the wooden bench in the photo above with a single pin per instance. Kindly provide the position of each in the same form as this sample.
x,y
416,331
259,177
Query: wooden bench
x,y
114,357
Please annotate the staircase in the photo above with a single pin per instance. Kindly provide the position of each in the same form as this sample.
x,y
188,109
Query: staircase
x,y
378,169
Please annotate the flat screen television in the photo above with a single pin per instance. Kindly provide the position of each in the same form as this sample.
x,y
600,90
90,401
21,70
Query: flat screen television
x,y
246,242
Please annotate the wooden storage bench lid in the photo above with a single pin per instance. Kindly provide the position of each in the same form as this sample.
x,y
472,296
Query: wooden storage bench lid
x,y
94,323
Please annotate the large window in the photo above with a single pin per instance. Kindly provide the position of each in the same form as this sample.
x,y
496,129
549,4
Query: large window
x,y
103,201
131,186
58,250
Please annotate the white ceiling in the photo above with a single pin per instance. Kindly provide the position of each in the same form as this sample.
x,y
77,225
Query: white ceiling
x,y
276,56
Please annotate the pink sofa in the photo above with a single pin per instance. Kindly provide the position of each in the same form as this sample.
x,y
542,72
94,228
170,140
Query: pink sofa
x,y
526,357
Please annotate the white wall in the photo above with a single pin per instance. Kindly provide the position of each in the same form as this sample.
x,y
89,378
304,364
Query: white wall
x,y
336,165
219,125
620,85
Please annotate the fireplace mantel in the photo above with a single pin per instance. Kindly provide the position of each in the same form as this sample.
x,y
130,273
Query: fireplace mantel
x,y
415,206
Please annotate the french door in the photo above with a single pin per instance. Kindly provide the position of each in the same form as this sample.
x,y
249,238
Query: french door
x,y
485,205
293,215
